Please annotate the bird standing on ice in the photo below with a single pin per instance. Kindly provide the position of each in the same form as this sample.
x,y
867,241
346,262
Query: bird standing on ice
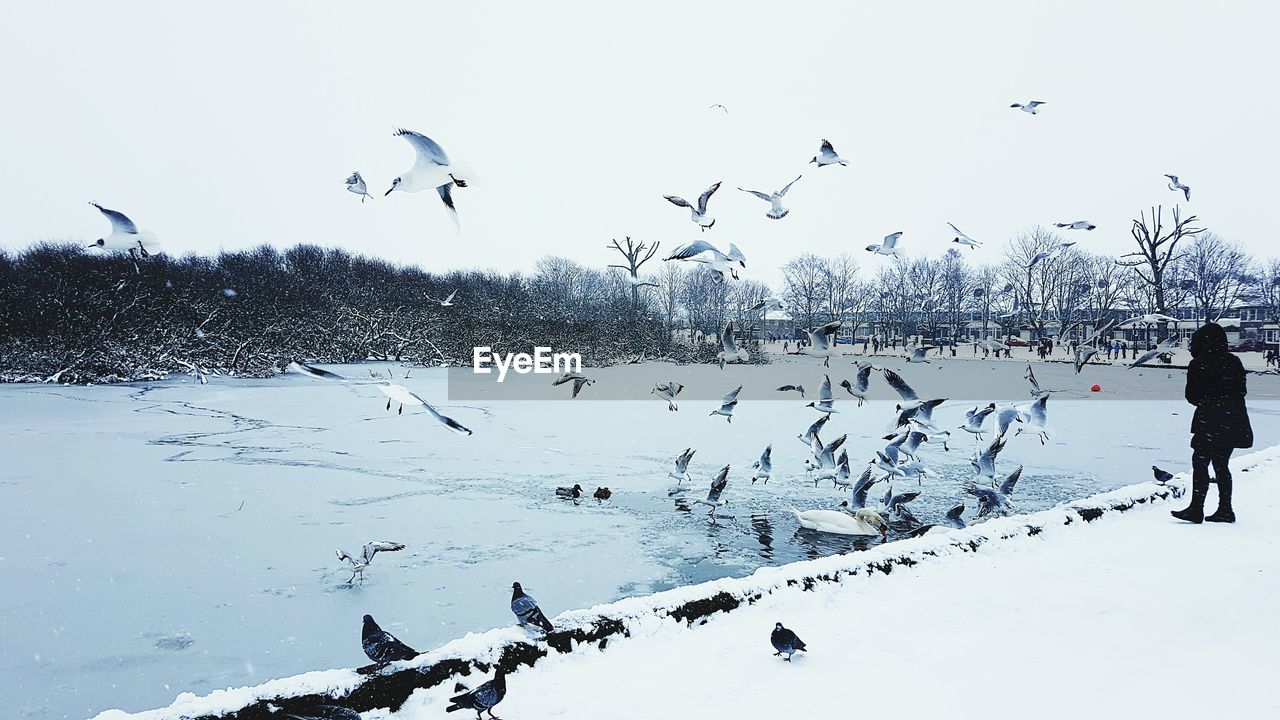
x,y
697,213
776,211
431,169
356,184
367,552
785,642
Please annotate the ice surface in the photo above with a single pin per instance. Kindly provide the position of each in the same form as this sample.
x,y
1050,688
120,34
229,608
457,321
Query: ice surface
x,y
175,538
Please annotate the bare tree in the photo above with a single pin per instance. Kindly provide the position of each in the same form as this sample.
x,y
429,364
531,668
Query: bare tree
x,y
636,255
1218,273
805,279
841,272
1032,265
671,281
1157,250
956,292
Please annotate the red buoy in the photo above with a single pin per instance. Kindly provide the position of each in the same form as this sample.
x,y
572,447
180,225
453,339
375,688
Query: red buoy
x,y
1096,388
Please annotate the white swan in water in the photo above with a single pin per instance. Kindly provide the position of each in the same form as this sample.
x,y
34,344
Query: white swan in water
x,y
862,522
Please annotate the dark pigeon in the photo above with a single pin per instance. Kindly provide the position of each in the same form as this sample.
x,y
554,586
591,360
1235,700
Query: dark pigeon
x,y
785,642
1162,476
381,646
483,698
603,493
526,609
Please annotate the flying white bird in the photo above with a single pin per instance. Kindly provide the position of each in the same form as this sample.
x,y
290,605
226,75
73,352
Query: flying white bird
x,y
704,252
578,379
447,302
355,184
763,467
1175,185
974,419
431,169
730,352
1077,225
125,236
1037,418
860,383
889,246
822,342
825,401
727,404
827,156
358,564
713,499
394,392
809,435
697,213
1148,319
776,212
920,353
1166,346
769,304
1032,107
681,471
668,391
718,105
995,500
964,239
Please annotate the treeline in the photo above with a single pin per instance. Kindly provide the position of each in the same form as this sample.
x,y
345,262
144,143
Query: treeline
x,y
76,316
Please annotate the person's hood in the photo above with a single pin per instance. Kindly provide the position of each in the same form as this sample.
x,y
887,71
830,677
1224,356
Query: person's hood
x,y
1209,339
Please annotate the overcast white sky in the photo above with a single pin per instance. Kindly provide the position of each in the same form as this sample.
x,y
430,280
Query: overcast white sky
x,y
234,124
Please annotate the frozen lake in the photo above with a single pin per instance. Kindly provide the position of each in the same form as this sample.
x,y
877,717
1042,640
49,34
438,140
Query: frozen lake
x,y
173,537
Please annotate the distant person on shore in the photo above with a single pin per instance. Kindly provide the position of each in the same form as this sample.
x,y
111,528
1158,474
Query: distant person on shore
x,y
1216,386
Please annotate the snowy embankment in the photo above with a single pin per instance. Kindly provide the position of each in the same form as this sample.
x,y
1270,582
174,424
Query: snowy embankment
x,y
1053,611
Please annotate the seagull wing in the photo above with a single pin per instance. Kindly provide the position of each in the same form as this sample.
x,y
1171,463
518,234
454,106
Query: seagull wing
x,y
824,393
784,190
814,429
120,223
315,372
448,422
706,197
1006,487
451,295
757,193
372,548
726,340
429,151
891,240
1040,411
676,200
897,383
731,398
690,250
718,484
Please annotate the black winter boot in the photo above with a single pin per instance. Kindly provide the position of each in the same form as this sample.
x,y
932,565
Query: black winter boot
x,y
1194,513
1224,513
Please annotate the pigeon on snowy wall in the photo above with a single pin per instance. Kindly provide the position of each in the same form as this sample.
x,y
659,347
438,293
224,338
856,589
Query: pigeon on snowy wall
x,y
381,646
526,609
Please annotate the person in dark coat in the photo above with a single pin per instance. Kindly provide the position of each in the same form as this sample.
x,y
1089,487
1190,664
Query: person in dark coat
x,y
1216,386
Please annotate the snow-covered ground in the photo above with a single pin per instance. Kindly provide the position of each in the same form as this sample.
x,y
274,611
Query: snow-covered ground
x,y
173,537
1132,615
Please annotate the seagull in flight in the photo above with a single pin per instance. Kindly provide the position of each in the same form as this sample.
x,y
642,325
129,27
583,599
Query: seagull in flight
x,y
578,379
964,239
791,388
668,391
763,467
861,382
1166,346
1148,319
394,392
812,433
920,353
1032,107
447,302
718,105
776,211
727,404
431,169
355,184
697,213
995,500
974,418
827,156
730,352
681,471
358,564
769,304
1175,186
713,500
1037,417
826,400
1076,225
822,342
889,246
125,236
704,252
